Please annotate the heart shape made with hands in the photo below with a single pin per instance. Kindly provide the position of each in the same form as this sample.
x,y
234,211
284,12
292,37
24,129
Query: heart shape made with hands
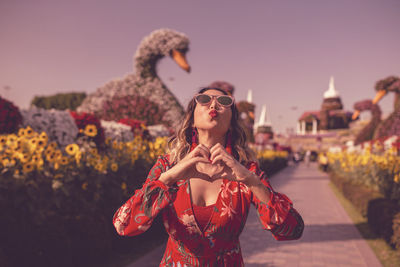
x,y
211,170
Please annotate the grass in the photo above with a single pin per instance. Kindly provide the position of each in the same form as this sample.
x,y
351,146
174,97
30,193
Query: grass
x,y
386,255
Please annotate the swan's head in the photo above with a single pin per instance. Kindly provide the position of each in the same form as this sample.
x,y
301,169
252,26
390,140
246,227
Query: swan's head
x,y
361,106
163,42
391,83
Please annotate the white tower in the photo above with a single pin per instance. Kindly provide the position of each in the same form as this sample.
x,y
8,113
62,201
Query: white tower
x,y
331,91
250,96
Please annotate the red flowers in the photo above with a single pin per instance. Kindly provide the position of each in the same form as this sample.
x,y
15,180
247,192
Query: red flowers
x,y
83,119
10,117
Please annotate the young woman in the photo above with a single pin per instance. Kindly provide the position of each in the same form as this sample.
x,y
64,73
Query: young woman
x,y
203,189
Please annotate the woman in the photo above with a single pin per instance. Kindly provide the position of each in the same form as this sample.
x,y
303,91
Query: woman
x,y
203,189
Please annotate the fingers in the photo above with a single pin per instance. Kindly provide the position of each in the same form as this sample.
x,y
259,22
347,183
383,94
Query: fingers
x,y
216,147
198,159
201,150
219,150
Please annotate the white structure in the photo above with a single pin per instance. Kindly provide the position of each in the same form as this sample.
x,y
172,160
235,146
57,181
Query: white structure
x,y
250,96
331,91
264,118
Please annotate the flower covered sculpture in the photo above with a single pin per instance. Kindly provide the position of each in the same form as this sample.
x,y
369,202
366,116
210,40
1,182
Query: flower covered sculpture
x,y
144,81
367,133
391,125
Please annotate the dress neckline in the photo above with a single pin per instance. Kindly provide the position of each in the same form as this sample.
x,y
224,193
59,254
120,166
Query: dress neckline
x,y
192,205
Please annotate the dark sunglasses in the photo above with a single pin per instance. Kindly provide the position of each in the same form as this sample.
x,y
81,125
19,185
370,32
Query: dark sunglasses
x,y
224,100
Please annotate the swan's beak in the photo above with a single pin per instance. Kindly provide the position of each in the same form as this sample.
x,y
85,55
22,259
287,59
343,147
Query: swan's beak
x,y
378,96
355,115
180,59
251,115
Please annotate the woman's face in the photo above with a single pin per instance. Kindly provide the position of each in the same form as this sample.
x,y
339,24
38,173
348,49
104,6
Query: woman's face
x,y
204,119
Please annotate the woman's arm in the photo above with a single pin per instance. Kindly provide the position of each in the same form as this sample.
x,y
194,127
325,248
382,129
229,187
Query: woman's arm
x,y
138,213
275,209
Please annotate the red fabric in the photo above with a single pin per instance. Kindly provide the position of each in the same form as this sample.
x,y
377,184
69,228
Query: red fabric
x,y
218,243
202,214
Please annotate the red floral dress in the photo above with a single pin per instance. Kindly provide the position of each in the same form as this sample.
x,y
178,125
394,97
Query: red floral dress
x,y
218,243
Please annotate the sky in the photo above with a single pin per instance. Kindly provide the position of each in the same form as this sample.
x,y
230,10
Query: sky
x,y
284,51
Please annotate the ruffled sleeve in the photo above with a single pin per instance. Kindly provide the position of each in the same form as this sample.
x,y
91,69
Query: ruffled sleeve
x,y
138,213
278,214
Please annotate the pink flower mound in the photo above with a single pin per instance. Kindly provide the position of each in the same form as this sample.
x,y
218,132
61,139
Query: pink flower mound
x,y
10,117
134,107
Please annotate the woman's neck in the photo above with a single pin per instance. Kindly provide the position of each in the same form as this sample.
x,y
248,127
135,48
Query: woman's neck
x,y
209,139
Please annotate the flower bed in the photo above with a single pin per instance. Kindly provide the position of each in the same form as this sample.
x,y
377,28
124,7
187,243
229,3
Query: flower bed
x,y
369,178
271,161
57,204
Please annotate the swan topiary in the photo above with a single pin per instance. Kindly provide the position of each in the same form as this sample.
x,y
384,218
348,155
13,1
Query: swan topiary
x,y
144,82
391,125
367,133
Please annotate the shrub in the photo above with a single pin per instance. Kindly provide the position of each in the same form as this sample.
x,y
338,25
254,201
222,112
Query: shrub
x,y
59,101
10,117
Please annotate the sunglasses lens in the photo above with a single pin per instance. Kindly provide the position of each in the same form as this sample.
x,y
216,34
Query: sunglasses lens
x,y
203,99
225,100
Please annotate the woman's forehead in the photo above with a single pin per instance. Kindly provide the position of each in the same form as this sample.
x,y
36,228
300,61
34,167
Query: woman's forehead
x,y
213,92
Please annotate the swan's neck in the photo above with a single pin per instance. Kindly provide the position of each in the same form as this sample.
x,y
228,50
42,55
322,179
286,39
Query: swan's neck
x,y
397,100
376,113
146,67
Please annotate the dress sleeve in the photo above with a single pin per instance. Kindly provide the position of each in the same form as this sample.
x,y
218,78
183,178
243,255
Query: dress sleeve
x,y
138,213
278,215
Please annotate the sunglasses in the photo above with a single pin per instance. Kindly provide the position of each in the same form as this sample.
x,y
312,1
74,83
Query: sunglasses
x,y
224,100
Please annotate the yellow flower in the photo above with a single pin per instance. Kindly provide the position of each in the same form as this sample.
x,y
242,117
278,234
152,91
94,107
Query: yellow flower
x,y
35,158
29,132
58,154
28,167
84,185
21,132
90,130
63,160
3,140
24,157
78,157
397,178
93,151
43,136
51,157
11,138
114,167
123,186
52,145
72,149
5,162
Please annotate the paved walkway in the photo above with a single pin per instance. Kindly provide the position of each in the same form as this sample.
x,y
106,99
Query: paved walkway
x,y
329,237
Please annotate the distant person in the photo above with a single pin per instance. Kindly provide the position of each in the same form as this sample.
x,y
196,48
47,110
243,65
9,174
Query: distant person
x,y
204,187
323,162
307,158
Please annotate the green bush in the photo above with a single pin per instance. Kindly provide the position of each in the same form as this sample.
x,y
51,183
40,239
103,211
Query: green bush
x,y
59,101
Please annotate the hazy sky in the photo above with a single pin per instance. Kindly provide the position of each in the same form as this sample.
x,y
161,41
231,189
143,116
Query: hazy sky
x,y
285,51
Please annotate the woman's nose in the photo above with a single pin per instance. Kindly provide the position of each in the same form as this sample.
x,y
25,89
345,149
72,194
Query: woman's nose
x,y
214,103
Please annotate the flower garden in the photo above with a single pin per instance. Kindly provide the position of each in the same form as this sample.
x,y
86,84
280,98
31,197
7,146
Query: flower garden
x,y
62,181
369,176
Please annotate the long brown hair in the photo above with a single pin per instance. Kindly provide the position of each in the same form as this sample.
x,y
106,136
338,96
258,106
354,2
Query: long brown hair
x,y
180,143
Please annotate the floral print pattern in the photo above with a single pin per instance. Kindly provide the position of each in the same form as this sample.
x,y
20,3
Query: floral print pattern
x,y
218,244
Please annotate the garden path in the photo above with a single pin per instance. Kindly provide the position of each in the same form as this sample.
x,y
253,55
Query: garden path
x,y
329,238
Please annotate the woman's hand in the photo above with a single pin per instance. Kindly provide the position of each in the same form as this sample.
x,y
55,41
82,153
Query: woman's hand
x,y
185,168
233,170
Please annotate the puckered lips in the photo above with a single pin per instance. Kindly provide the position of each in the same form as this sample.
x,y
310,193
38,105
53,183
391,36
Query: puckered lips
x,y
213,113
